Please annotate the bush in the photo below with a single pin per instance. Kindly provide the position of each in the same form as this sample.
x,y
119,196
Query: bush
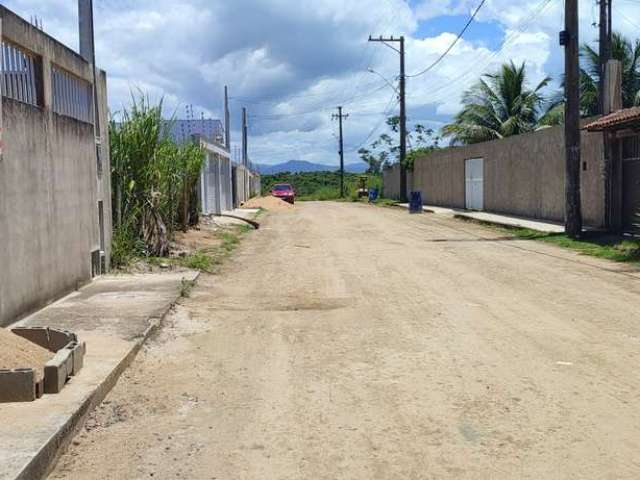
x,y
153,182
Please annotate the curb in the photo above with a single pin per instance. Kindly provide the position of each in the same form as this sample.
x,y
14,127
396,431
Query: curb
x,y
43,462
497,223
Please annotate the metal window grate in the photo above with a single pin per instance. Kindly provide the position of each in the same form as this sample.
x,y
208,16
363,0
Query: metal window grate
x,y
72,96
18,79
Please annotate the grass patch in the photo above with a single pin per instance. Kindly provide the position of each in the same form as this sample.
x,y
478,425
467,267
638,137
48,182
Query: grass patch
x,y
387,202
594,244
611,247
205,260
186,286
198,260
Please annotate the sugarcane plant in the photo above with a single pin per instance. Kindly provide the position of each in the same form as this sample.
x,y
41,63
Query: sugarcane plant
x,y
153,180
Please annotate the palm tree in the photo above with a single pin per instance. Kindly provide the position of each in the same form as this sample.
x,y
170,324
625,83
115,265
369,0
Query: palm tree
x,y
498,106
623,50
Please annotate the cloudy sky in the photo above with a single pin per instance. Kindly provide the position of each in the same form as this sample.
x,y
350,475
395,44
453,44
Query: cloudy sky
x,y
292,62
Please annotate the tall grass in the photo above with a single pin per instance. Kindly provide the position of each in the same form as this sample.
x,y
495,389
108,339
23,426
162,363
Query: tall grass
x,y
154,182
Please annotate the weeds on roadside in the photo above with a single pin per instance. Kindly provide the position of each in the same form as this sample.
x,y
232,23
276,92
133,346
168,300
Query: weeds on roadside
x,y
185,287
594,244
198,260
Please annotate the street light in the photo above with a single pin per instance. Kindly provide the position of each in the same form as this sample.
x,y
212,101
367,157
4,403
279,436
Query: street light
x,y
371,70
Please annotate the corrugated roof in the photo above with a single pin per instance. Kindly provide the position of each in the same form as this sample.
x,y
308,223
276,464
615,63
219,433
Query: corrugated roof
x,y
621,117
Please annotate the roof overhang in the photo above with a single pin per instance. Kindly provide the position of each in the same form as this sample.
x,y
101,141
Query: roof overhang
x,y
625,119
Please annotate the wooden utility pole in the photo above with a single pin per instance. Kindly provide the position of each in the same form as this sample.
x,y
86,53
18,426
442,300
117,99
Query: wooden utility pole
x,y
245,149
88,53
227,117
403,111
340,116
569,38
604,51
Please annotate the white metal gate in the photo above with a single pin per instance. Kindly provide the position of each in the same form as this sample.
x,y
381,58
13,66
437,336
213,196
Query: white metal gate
x,y
474,185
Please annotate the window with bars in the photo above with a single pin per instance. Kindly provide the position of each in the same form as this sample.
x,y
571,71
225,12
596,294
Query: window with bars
x,y
19,74
72,96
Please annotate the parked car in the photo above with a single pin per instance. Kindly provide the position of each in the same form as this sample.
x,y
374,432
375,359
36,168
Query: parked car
x,y
284,191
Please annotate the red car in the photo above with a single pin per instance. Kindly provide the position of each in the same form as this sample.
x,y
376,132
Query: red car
x,y
284,191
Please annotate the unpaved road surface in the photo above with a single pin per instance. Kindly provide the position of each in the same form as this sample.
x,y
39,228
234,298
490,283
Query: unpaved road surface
x,y
345,341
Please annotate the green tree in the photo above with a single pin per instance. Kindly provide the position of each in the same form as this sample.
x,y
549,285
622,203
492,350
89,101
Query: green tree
x,y
498,106
386,149
621,49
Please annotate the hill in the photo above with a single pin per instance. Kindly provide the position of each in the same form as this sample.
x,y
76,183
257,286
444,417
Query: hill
x,y
301,166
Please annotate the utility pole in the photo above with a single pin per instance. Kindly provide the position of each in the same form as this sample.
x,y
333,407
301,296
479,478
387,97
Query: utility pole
x,y
339,117
227,118
88,53
604,50
403,111
569,38
245,150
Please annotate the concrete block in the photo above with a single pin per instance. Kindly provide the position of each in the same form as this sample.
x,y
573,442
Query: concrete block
x,y
17,385
78,357
58,339
37,335
56,371
40,388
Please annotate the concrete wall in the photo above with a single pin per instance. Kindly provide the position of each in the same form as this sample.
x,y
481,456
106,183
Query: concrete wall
x,y
391,182
49,186
523,175
247,184
216,180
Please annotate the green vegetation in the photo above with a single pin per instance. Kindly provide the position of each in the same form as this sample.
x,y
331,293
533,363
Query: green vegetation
x,y
386,150
204,259
186,286
621,49
501,105
498,106
154,183
595,244
320,185
201,260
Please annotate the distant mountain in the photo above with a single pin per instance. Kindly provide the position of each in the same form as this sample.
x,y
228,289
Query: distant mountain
x,y
297,166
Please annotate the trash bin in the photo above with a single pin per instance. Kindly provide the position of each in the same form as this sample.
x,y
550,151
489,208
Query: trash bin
x,y
373,195
415,202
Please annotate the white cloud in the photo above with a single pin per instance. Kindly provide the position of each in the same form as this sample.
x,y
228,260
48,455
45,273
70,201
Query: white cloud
x,y
291,63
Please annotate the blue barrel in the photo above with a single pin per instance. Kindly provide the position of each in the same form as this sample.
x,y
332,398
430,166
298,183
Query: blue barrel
x,y
373,195
415,202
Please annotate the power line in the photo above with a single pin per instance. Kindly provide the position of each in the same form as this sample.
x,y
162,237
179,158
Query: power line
x,y
379,124
450,84
453,44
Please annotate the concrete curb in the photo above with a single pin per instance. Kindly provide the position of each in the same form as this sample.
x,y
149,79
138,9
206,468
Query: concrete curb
x,y
497,223
42,463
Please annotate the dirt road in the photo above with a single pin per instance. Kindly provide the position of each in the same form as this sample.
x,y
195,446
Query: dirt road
x,y
352,342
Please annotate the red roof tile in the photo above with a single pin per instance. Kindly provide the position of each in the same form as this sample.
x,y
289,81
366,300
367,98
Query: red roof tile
x,y
621,117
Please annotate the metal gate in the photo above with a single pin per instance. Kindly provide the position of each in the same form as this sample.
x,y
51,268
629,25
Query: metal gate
x,y
631,183
474,184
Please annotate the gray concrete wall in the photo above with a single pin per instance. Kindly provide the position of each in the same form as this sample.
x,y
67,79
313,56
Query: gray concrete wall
x,y
247,184
49,186
523,175
391,182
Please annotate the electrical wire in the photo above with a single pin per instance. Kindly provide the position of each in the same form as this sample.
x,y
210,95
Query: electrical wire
x,y
446,88
453,44
378,125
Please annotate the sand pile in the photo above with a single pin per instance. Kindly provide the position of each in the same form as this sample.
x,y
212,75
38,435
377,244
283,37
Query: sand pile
x,y
17,352
268,203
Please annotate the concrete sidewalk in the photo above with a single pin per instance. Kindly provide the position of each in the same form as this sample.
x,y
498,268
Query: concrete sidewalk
x,y
114,315
495,218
